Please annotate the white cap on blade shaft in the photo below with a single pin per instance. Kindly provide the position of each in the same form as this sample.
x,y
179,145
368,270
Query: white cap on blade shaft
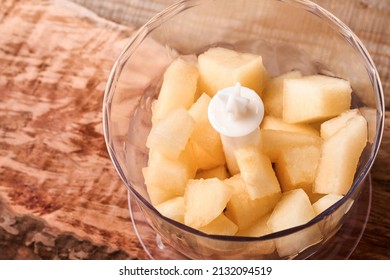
x,y
236,111
236,105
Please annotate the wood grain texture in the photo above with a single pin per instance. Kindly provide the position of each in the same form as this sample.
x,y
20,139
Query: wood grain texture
x,y
29,237
375,241
55,59
60,197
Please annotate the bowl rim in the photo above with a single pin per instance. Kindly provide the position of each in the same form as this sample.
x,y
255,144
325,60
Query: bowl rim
x,y
183,5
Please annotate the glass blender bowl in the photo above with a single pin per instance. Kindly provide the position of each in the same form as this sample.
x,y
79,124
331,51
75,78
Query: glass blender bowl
x,y
288,35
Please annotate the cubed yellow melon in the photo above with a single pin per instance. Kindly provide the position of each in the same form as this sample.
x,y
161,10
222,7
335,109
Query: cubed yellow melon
x,y
220,226
340,156
178,88
243,210
170,135
294,209
260,228
219,172
173,209
315,98
371,115
257,172
199,110
230,144
166,178
296,167
156,193
203,159
205,199
273,94
273,123
274,141
330,127
206,140
220,68
333,222
325,202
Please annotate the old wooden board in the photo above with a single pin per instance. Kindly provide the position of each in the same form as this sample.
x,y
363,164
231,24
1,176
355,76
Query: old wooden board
x,y
60,197
58,188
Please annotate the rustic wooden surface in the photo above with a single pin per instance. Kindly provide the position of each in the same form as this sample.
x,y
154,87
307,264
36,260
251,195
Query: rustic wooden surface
x,y
55,172
60,197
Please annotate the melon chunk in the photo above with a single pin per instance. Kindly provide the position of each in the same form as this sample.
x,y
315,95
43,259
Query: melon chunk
x,y
156,193
273,123
333,125
333,221
257,172
204,160
273,94
205,139
294,209
275,141
220,226
325,202
371,115
243,210
199,110
205,199
296,167
260,228
315,98
171,134
178,88
340,156
173,209
166,178
220,68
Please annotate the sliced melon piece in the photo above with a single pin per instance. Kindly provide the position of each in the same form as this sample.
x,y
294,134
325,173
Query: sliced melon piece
x,y
315,98
220,68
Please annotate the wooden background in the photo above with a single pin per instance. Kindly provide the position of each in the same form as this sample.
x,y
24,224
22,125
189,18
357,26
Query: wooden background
x,y
60,197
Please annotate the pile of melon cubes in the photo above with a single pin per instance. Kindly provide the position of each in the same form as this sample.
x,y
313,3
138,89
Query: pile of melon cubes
x,y
309,149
